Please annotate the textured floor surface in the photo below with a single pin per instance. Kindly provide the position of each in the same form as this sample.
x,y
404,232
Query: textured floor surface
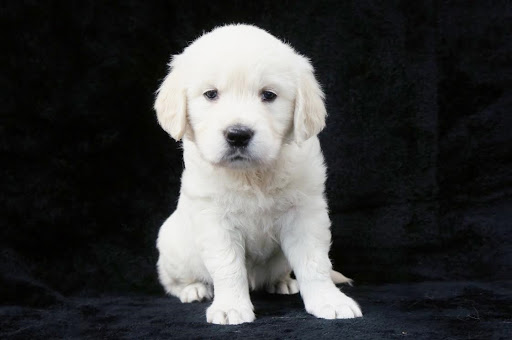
x,y
435,310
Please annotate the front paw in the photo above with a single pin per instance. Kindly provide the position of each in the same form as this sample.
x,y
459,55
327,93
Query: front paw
x,y
229,314
332,304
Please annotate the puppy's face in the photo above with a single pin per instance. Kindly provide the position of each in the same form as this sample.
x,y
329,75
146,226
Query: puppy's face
x,y
239,93
240,108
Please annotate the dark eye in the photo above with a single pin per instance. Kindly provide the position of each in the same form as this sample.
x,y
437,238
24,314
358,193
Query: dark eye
x,y
210,94
268,96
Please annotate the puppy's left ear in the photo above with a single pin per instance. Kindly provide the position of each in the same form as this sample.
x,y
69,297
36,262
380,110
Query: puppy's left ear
x,y
310,112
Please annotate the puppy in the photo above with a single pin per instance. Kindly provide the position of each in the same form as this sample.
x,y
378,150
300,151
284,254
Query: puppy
x,y
252,208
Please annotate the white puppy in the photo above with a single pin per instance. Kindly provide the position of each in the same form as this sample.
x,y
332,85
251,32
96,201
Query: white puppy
x,y
252,205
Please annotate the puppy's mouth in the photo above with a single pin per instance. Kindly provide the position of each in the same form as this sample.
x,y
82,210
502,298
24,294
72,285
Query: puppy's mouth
x,y
237,158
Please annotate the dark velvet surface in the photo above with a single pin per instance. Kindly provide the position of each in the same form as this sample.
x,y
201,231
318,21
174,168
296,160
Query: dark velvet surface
x,y
418,146
461,310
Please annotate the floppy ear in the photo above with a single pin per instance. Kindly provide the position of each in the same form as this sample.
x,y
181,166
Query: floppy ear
x,y
310,112
171,103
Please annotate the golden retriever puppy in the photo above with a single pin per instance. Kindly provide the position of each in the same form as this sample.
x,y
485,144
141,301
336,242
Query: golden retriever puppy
x,y
252,208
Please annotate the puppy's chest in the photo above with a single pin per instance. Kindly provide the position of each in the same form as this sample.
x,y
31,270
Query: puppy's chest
x,y
257,216
254,207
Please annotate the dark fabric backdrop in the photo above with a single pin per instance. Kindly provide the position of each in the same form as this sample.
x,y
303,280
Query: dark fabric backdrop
x,y
418,140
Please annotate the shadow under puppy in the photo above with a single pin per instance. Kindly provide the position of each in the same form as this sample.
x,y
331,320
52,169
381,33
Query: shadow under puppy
x,y
252,208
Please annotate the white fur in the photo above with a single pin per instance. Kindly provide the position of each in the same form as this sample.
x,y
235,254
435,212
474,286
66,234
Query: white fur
x,y
243,225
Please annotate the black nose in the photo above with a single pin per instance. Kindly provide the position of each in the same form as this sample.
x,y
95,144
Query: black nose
x,y
238,135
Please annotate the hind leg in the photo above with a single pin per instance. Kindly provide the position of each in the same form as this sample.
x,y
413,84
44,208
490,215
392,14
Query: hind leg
x,y
185,290
197,291
286,285
274,276
180,271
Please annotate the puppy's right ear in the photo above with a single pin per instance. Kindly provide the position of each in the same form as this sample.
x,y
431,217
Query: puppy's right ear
x,y
171,103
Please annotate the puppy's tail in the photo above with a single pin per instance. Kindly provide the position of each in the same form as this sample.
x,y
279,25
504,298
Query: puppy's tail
x,y
337,278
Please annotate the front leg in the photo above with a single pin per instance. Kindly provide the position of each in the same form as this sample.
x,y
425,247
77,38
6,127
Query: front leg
x,y
305,239
224,257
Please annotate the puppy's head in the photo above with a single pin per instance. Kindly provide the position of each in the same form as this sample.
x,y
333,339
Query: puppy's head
x,y
239,94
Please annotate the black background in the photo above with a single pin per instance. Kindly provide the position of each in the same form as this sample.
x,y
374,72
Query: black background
x,y
418,140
